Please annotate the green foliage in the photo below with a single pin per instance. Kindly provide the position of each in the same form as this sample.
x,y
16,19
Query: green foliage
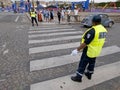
x,y
118,3
102,4
61,5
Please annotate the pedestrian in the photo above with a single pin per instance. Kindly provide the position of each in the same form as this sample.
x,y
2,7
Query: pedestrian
x,y
40,16
51,15
76,11
44,12
63,14
92,42
59,16
76,14
33,17
68,15
47,15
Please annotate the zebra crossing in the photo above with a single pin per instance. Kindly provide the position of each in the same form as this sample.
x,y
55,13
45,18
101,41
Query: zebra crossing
x,y
64,83
58,33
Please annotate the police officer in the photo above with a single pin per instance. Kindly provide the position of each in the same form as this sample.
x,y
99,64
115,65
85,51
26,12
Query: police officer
x,y
33,17
92,42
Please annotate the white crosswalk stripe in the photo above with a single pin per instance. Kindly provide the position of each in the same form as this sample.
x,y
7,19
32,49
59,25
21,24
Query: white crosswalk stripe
x,y
53,34
47,28
55,39
66,59
103,73
53,30
56,61
53,47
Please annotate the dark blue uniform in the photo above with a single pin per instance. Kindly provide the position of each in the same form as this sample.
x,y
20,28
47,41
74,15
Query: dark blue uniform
x,y
85,60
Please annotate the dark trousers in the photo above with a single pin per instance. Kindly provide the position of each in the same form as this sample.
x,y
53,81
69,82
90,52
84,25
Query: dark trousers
x,y
68,18
86,63
59,18
34,19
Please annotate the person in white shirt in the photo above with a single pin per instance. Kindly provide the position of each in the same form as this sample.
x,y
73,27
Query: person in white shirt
x,y
68,15
63,14
76,11
68,11
47,15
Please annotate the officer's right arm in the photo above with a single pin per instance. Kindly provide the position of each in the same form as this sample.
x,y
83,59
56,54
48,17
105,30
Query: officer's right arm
x,y
82,46
89,36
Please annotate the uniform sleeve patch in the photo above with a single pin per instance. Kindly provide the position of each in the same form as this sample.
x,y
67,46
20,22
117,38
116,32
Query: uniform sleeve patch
x,y
102,35
88,36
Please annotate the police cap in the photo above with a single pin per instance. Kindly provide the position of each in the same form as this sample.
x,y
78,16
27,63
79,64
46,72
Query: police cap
x,y
96,19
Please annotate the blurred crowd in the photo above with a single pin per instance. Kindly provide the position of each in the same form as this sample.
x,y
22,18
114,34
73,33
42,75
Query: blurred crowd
x,y
48,15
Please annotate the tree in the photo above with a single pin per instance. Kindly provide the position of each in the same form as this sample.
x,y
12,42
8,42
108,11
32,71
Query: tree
x,y
118,0
118,3
102,4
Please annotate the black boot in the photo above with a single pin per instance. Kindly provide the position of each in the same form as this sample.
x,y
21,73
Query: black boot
x,y
88,75
76,78
37,24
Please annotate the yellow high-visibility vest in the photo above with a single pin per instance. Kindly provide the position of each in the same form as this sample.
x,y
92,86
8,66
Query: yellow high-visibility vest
x,y
95,47
33,14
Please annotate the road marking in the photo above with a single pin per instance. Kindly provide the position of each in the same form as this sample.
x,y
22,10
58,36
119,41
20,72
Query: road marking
x,y
66,59
52,30
53,47
2,80
23,20
45,28
17,18
48,23
19,29
55,39
4,45
21,26
6,51
53,34
102,74
2,48
49,26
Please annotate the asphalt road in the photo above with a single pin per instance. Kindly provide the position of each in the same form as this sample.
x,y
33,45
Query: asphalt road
x,y
15,57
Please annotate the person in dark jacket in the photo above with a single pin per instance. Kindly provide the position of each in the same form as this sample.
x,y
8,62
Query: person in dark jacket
x,y
51,15
59,16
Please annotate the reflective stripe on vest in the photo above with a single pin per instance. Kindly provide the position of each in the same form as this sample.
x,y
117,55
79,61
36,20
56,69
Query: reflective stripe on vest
x,y
33,14
95,47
